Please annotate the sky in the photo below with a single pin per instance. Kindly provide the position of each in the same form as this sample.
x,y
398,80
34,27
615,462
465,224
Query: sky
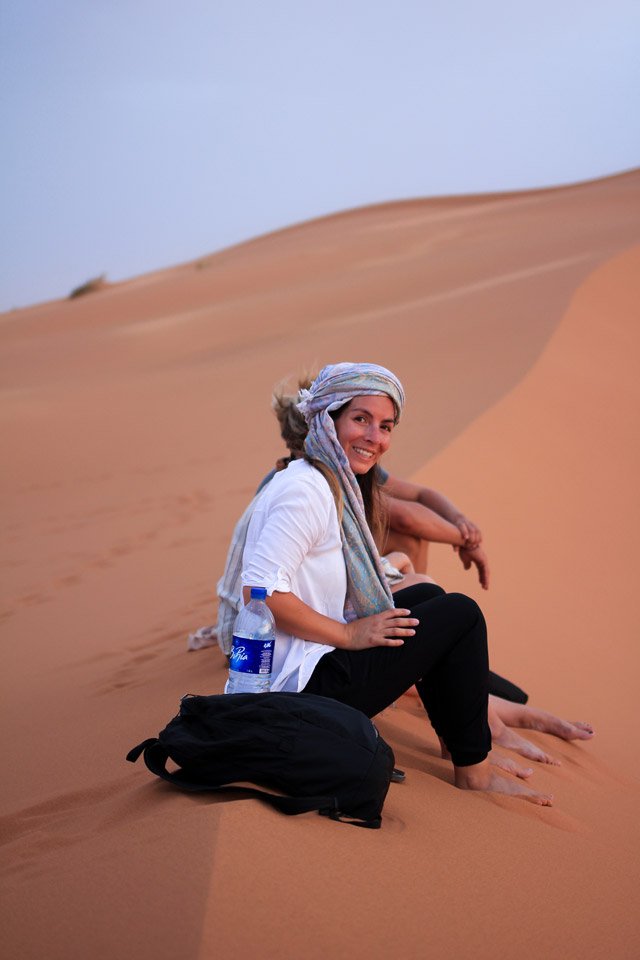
x,y
138,134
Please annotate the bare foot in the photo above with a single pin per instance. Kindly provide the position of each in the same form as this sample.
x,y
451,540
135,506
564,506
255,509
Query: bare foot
x,y
531,718
511,740
510,766
504,737
480,776
565,729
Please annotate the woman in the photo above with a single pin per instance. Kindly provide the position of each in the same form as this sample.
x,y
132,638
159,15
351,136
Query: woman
x,y
416,515
507,703
311,543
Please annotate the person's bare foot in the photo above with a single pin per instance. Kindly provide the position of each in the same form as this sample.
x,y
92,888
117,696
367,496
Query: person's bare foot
x,y
510,766
504,737
511,740
480,776
531,718
505,763
565,729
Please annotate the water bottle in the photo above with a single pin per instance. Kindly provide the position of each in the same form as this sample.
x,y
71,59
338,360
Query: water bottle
x,y
254,636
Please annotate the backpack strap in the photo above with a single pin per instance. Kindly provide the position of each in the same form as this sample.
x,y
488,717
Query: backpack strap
x,y
155,757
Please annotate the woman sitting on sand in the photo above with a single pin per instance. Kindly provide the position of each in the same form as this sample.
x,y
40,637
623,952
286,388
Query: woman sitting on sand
x,y
311,544
504,714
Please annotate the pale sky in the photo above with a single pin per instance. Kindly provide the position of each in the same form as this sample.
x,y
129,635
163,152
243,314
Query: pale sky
x,y
140,133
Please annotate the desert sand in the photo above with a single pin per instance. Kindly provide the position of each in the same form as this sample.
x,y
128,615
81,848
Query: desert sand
x,y
135,427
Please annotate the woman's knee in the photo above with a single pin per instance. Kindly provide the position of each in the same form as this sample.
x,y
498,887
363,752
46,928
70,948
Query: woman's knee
x,y
465,609
417,593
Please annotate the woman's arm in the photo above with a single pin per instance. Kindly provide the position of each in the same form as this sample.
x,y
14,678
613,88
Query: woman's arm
x,y
436,502
294,616
410,518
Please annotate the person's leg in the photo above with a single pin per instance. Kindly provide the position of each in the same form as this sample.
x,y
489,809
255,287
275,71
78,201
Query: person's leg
x,y
417,593
447,659
531,718
506,689
416,549
503,714
502,736
498,686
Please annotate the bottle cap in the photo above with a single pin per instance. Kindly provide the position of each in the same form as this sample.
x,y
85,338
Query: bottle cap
x,y
258,593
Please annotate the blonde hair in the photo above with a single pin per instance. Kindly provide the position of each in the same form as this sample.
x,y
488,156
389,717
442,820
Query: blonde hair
x,y
293,430
293,426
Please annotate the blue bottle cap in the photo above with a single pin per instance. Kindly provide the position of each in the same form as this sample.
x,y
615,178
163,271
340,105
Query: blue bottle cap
x,y
258,593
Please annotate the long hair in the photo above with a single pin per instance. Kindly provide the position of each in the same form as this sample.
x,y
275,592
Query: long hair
x,y
374,506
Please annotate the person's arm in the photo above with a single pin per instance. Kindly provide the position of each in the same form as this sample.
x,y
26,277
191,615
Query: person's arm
x,y
294,616
438,504
411,518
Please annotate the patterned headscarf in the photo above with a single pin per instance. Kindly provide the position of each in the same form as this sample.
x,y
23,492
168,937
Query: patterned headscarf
x,y
336,385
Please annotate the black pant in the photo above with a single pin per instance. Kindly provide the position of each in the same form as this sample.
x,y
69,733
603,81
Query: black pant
x,y
446,659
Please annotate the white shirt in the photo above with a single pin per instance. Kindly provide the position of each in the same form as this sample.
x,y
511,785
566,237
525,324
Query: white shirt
x,y
294,546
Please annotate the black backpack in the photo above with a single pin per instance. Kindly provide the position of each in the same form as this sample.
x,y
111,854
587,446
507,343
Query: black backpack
x,y
324,755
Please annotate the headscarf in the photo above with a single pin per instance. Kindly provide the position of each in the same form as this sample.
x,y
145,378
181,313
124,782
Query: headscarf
x,y
336,385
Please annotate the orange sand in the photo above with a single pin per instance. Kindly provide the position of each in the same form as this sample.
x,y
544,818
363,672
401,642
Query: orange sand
x,y
136,425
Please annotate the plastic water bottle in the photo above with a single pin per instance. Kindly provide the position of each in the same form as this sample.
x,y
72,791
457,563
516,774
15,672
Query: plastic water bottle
x,y
254,636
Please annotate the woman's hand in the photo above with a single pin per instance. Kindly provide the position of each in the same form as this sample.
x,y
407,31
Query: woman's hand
x,y
468,530
478,557
381,630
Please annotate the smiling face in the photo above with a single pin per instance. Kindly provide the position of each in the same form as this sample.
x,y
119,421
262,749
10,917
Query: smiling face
x,y
364,429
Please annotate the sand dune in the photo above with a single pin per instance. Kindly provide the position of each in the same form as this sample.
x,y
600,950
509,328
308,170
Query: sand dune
x,y
135,427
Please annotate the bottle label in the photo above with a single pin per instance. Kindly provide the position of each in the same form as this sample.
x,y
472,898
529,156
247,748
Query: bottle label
x,y
251,656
